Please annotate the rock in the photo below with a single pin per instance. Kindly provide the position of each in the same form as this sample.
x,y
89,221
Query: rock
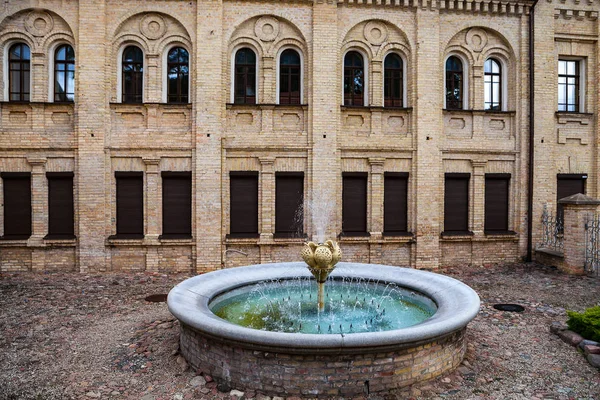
x,y
236,393
277,398
594,360
93,395
198,381
591,349
446,380
208,378
223,387
556,327
177,396
183,365
262,397
204,390
586,342
570,337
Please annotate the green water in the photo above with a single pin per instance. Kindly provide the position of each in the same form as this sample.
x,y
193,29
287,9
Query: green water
x,y
350,307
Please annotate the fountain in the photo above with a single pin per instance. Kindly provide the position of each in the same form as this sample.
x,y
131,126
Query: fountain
x,y
374,328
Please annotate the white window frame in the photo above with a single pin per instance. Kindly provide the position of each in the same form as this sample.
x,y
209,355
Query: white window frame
x,y
7,47
232,71
466,81
582,81
301,54
503,82
120,70
165,61
51,57
366,73
404,78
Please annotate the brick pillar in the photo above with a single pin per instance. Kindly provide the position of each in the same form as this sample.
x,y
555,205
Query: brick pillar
x,y
153,87
478,212
267,96
428,111
577,210
376,225
376,83
209,115
153,200
39,90
267,211
91,110
39,211
325,99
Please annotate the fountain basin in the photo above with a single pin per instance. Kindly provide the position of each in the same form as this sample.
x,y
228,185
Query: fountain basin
x,y
344,364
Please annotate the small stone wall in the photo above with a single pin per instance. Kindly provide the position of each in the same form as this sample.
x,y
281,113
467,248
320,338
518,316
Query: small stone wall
x,y
320,375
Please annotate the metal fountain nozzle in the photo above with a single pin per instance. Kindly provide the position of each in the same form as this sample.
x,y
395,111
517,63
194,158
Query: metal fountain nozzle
x,y
321,258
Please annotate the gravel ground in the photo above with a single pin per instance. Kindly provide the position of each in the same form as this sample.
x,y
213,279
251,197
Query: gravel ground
x,y
85,336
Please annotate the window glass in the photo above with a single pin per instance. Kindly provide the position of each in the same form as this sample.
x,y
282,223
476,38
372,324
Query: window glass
x,y
454,83
19,72
568,85
132,75
178,75
353,79
393,74
64,74
245,77
289,77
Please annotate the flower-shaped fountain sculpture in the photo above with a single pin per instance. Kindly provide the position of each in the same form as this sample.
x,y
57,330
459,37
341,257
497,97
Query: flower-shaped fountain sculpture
x,y
321,259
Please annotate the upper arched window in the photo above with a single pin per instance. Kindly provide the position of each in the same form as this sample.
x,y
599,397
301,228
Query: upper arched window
x,y
492,72
19,69
245,77
289,77
393,86
178,75
454,83
354,79
64,73
133,75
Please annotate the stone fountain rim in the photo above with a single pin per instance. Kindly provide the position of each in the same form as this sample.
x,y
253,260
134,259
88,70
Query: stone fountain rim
x,y
457,305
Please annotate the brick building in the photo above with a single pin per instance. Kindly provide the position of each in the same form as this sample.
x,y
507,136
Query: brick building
x,y
185,135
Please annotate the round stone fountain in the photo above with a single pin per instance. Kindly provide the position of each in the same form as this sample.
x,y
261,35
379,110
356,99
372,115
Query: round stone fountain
x,y
287,335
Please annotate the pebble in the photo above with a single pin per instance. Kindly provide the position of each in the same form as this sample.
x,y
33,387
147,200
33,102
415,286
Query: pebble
x,y
586,342
177,396
93,395
236,393
570,337
198,381
594,360
591,349
262,397
446,380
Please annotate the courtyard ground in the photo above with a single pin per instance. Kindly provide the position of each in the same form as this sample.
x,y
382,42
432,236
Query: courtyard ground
x,y
85,336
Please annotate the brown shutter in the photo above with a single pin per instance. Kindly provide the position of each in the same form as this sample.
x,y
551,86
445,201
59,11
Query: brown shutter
x,y
17,205
568,185
496,202
130,204
456,203
60,205
354,203
289,202
244,203
395,191
177,204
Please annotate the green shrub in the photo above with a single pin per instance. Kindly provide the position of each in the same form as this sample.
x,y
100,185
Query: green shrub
x,y
587,323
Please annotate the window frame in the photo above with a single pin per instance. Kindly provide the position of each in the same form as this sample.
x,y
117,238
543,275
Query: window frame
x,y
16,176
465,82
278,72
249,175
404,176
403,79
182,175
364,176
129,175
580,86
497,177
365,77
501,84
165,69
52,72
50,176
7,66
467,178
299,233
120,72
256,74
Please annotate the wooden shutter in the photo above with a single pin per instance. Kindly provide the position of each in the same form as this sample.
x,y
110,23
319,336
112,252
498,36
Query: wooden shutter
x,y
243,211
289,202
177,204
496,202
17,205
395,192
568,185
130,204
456,203
60,205
354,203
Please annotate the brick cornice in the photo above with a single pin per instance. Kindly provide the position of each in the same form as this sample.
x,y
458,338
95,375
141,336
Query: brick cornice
x,y
506,7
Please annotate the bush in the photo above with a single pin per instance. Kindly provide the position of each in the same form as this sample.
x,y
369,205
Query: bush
x,y
587,323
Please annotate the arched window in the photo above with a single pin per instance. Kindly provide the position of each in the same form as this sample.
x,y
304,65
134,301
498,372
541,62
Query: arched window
x,y
64,73
245,77
178,75
393,85
492,72
354,79
289,77
19,59
454,83
133,75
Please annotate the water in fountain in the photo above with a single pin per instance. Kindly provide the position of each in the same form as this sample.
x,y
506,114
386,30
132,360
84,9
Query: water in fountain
x,y
321,211
351,306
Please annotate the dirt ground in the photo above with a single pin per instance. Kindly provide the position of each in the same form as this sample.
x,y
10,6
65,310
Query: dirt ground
x,y
85,336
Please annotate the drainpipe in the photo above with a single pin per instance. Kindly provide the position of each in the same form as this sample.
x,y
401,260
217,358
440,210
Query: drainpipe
x,y
531,135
